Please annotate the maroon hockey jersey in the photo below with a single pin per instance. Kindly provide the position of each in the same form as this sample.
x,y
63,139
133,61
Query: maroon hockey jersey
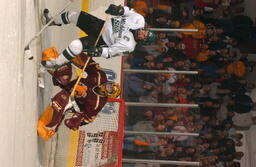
x,y
92,103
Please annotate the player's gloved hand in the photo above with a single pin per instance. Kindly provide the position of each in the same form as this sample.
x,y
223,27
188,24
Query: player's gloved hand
x,y
94,51
115,10
74,122
80,91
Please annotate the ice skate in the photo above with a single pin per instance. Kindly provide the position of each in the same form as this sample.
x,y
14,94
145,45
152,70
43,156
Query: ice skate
x,y
46,18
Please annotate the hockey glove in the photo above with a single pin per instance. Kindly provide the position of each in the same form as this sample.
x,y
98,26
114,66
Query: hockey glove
x,y
74,122
115,10
94,51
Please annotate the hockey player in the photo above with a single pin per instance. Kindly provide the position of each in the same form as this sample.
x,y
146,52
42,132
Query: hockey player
x,y
120,34
90,97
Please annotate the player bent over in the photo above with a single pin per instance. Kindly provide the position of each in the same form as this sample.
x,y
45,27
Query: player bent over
x,y
120,34
90,97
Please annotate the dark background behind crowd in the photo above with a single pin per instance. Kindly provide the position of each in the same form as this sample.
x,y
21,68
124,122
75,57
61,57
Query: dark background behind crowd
x,y
219,52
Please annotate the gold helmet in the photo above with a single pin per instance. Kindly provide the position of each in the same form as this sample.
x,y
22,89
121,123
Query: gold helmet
x,y
110,89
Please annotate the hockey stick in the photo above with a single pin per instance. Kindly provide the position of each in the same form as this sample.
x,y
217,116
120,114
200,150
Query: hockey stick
x,y
79,78
27,50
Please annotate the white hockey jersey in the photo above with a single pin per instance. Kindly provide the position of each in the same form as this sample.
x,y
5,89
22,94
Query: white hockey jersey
x,y
117,34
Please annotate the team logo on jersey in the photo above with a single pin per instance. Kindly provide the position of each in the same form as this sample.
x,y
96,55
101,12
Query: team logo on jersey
x,y
115,25
118,26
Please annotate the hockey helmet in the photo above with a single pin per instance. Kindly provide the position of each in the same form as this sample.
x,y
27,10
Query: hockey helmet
x,y
151,37
145,35
110,89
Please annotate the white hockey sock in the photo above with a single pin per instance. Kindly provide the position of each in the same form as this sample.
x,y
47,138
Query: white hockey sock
x,y
74,48
67,18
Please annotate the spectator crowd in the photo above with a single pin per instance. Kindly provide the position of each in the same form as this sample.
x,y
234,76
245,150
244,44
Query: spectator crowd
x,y
220,87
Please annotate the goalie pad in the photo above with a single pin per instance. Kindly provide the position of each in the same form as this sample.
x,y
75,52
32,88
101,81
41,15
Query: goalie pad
x,y
59,102
44,119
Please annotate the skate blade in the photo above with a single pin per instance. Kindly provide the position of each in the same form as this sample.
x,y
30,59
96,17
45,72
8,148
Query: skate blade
x,y
45,16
